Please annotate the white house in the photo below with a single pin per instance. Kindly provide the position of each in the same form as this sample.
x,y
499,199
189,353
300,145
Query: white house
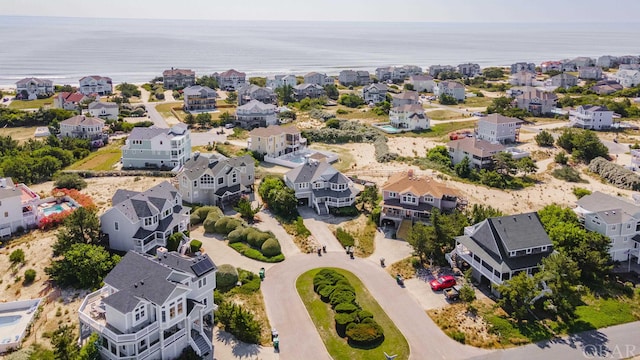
x,y
497,128
230,80
564,80
410,117
106,110
479,152
590,72
591,117
435,70
213,179
317,79
307,90
178,78
31,88
616,218
153,307
469,69
141,221
69,100
523,78
320,186
11,209
282,80
256,114
627,78
248,92
405,98
523,66
607,61
451,88
274,141
374,93
155,147
422,82
96,84
82,127
354,77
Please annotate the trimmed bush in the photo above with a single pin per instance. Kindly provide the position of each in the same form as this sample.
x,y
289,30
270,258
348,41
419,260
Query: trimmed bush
x,y
226,277
346,308
326,292
250,282
174,241
615,174
364,315
236,235
271,247
251,253
194,219
344,237
365,334
203,212
195,245
342,321
226,225
257,238
29,276
343,296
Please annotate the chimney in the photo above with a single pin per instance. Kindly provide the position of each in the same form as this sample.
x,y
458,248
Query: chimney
x,y
307,159
161,251
410,173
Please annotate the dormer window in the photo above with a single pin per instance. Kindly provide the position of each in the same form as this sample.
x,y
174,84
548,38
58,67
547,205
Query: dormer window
x,y
512,253
139,314
529,251
543,249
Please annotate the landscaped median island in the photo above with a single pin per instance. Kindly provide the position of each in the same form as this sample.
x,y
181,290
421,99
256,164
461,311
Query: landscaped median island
x,y
350,321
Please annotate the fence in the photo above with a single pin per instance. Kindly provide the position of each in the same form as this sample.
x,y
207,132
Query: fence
x,y
95,173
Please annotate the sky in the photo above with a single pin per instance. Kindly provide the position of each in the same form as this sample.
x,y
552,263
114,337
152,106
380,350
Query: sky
x,y
337,10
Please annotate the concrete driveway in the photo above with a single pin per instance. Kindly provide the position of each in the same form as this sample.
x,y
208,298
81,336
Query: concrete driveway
x,y
319,230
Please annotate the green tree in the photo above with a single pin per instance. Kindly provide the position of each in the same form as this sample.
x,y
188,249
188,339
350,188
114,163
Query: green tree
x,y
463,168
259,81
70,181
439,154
493,73
526,165
232,97
350,100
481,212
517,295
208,81
203,119
544,138
584,145
447,227
278,197
128,90
91,349
17,257
332,123
504,164
82,266
64,343
408,87
369,198
561,158
446,99
285,94
332,91
82,226
226,118
246,210
499,105
422,239
562,274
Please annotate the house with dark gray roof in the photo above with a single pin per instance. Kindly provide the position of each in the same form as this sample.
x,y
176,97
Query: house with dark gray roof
x,y
256,114
214,179
153,307
142,221
158,148
320,186
306,90
375,93
499,248
248,92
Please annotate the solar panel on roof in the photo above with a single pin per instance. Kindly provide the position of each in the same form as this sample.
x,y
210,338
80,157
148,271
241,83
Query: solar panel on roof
x,y
202,267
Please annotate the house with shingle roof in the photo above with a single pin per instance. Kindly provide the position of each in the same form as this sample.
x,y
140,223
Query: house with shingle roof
x,y
230,80
354,78
536,101
275,140
158,148
317,78
256,114
306,90
405,98
498,128
178,78
409,117
213,179
606,87
104,110
199,98
422,82
627,77
142,221
590,72
479,152
278,81
375,93
451,88
594,117
152,307
410,197
30,88
320,186
501,247
96,84
69,100
564,80
615,218
82,127
248,92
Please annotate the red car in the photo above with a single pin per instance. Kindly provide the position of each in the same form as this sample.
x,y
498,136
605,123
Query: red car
x,y
443,282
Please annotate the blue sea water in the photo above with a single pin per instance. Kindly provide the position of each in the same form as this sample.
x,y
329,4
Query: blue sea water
x,y
65,49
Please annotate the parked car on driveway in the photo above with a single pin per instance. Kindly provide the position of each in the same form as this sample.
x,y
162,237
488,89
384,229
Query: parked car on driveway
x,y
443,282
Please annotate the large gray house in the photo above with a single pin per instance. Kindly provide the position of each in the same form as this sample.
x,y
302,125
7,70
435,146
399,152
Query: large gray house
x,y
248,92
213,179
142,221
157,147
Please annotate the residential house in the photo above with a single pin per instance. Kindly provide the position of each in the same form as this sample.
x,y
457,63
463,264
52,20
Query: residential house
x,y
230,80
274,141
384,74
499,248
583,61
435,70
629,67
152,307
523,66
354,78
496,128
96,84
306,90
536,101
248,92
178,78
199,98
409,197
213,179
375,93
590,72
523,78
607,61
31,88
627,78
422,82
479,152
564,80
104,110
256,114
591,117
317,79
279,81
451,88
320,186
469,69
69,100
155,147
405,98
13,206
547,66
142,221
617,219
629,59
606,87
397,74
409,117
82,127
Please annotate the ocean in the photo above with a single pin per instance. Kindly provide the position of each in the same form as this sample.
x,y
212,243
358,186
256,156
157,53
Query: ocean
x,y
66,49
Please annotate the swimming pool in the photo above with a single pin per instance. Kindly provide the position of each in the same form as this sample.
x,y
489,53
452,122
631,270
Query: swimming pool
x,y
56,208
388,128
9,320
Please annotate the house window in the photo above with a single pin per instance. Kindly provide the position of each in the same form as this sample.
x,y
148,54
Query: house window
x,y
512,253
116,226
164,316
172,312
142,346
528,251
6,214
626,239
544,248
139,314
180,308
220,180
202,282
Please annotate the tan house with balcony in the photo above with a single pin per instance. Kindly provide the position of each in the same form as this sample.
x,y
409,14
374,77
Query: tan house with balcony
x,y
199,98
82,127
274,141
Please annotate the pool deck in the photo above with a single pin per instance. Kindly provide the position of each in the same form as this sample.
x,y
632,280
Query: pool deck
x,y
11,335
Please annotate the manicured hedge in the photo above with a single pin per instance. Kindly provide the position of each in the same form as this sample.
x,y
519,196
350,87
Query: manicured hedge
x,y
201,214
271,247
226,277
195,245
251,253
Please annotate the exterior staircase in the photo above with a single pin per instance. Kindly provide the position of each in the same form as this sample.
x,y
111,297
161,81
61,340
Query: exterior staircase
x,y
203,347
322,209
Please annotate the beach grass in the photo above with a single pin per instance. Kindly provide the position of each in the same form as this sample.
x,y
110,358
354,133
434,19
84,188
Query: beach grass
x,y
443,114
478,101
165,108
323,318
100,160
439,130
21,134
30,104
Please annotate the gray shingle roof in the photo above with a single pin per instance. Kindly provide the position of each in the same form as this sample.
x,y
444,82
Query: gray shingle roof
x,y
309,172
520,231
255,105
597,202
195,167
136,205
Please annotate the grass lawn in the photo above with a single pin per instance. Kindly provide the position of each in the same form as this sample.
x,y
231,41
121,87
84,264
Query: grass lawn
x,y
439,130
362,113
444,115
30,104
363,231
478,101
101,159
165,108
345,158
322,316
20,134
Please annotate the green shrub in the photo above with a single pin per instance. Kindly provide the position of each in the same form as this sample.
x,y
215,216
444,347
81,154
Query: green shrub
x,y
467,294
321,285
226,277
226,224
343,296
194,219
615,174
326,292
580,192
364,314
70,181
206,211
257,238
365,334
457,336
17,256
271,247
342,321
250,282
567,173
344,237
344,211
236,235
301,229
346,308
251,253
174,241
195,245
29,276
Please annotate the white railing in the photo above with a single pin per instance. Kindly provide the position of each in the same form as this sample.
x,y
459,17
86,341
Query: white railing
x,y
180,333
478,266
118,338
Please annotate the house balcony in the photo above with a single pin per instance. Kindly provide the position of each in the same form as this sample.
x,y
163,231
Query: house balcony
x,y
477,265
401,214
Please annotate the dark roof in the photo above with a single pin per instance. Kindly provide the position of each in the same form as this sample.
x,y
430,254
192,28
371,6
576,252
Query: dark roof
x,y
232,189
141,208
196,166
520,231
348,192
